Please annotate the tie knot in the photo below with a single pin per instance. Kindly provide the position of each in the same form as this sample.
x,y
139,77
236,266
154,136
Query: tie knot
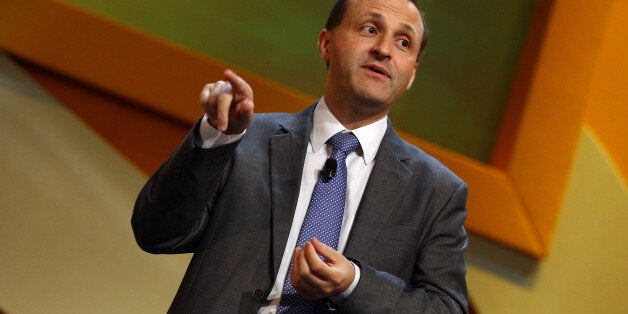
x,y
345,142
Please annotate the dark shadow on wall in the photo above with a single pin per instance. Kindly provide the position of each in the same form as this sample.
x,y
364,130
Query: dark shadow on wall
x,y
502,261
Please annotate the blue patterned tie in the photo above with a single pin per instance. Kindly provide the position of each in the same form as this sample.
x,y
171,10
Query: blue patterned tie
x,y
324,216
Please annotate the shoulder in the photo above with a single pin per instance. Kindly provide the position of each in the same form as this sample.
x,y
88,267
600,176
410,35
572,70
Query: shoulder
x,y
266,120
268,124
281,121
423,165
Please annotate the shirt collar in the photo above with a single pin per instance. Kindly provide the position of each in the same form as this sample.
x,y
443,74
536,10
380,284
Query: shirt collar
x,y
326,125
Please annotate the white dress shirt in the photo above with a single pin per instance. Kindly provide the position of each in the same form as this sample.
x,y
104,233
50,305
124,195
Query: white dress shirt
x,y
359,166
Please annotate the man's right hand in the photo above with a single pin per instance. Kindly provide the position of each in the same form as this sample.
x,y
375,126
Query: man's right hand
x,y
228,104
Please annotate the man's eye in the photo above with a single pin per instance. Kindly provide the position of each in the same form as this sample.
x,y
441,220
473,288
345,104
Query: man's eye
x,y
404,42
369,29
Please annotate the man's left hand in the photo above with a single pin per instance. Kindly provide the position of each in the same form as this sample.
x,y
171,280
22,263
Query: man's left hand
x,y
314,278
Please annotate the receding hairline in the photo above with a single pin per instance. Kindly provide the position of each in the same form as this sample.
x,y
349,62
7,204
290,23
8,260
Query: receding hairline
x,y
338,12
341,7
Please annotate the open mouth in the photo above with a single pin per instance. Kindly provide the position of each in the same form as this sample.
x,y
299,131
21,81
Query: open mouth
x,y
378,70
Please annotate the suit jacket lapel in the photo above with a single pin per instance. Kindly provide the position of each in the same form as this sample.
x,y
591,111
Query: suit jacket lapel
x,y
287,154
386,183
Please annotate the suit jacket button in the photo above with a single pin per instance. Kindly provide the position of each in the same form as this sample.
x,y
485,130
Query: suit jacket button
x,y
258,294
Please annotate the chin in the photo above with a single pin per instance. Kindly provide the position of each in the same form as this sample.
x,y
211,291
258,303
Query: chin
x,y
373,101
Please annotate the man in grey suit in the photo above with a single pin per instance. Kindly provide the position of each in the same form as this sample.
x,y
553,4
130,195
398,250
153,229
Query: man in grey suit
x,y
236,191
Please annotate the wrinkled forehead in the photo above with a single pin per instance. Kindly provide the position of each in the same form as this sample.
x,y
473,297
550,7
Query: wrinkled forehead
x,y
405,12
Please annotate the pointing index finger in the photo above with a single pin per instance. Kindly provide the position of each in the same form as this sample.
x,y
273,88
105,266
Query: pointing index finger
x,y
238,84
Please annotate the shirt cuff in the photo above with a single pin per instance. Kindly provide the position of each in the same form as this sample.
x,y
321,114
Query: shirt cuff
x,y
210,137
345,294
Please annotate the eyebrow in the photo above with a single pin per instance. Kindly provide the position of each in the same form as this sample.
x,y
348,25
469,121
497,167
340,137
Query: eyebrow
x,y
405,26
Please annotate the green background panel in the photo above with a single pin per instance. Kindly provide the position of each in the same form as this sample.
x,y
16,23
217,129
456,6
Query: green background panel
x,y
461,86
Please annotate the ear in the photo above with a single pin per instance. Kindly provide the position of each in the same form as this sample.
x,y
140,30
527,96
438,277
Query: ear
x,y
323,44
416,66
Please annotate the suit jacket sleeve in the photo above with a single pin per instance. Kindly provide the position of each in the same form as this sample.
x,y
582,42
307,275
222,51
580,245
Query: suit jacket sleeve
x,y
173,207
437,284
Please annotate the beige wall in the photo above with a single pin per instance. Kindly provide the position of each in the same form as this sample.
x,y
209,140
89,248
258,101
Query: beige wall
x,y
65,205
587,269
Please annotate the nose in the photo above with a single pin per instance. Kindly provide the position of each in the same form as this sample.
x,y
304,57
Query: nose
x,y
382,48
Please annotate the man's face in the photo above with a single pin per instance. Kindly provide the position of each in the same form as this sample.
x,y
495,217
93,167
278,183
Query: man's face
x,y
372,54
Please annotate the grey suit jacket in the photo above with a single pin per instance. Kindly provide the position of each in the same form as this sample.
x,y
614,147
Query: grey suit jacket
x,y
232,206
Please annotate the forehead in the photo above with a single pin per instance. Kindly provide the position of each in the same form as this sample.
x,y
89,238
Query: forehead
x,y
401,12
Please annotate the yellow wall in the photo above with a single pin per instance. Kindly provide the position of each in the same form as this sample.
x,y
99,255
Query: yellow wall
x,y
587,269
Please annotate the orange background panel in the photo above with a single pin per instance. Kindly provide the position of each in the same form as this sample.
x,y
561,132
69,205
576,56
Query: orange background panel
x,y
607,111
551,121
144,137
